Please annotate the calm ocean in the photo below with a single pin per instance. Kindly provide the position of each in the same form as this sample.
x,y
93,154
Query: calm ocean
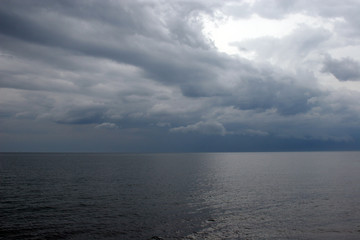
x,y
303,195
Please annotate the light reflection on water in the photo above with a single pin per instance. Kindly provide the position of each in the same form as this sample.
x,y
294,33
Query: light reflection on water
x,y
180,196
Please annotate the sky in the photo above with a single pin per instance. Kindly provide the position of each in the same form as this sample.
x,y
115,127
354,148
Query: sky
x,y
179,76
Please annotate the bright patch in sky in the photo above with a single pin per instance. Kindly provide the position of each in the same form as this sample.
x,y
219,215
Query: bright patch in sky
x,y
225,31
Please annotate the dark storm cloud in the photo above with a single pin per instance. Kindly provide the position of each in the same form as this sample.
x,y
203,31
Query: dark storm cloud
x,y
142,70
345,69
262,94
84,115
160,55
196,71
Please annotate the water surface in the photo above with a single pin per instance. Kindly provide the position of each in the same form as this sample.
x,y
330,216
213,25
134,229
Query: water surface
x,y
308,195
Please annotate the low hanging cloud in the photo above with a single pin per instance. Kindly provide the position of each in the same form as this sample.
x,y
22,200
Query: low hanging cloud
x,y
253,132
210,128
107,125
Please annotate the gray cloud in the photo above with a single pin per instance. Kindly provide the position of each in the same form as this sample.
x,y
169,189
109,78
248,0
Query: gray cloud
x,y
148,67
107,125
202,127
191,67
253,132
293,49
262,94
345,69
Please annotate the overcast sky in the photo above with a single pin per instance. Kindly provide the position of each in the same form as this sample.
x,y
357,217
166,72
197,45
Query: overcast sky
x,y
202,75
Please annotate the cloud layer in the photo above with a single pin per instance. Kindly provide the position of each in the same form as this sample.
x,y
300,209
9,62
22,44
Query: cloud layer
x,y
145,75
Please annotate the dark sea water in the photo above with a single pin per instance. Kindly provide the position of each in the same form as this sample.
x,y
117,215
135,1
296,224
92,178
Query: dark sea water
x,y
307,195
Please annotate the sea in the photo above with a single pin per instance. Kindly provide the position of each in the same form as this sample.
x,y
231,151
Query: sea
x,y
267,195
